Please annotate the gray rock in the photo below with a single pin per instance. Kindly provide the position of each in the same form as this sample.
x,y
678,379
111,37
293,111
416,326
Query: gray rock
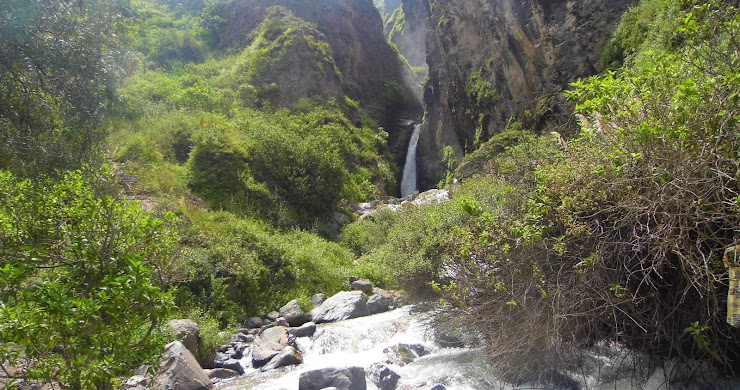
x,y
306,330
272,316
244,337
293,313
377,304
289,356
318,299
231,364
282,322
438,387
265,327
186,332
221,373
350,378
270,343
255,322
342,306
383,377
180,370
363,285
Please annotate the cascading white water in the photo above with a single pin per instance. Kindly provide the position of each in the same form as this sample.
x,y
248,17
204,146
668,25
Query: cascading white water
x,y
361,342
408,183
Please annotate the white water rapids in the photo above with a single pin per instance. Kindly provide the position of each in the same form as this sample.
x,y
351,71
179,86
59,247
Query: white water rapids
x,y
408,183
360,342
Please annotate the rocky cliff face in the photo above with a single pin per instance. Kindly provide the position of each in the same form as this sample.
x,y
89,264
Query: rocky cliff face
x,y
492,61
371,72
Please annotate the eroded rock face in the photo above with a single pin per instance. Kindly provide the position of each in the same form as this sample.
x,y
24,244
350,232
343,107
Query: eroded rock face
x,y
492,59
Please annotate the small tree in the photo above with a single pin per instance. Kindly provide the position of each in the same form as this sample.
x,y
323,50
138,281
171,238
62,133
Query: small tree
x,y
78,300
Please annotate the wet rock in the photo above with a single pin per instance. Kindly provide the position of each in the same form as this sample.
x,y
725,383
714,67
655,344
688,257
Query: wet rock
x,y
180,370
318,299
293,313
438,387
350,378
403,354
221,373
231,364
383,377
255,322
306,330
268,344
342,306
187,332
363,285
287,357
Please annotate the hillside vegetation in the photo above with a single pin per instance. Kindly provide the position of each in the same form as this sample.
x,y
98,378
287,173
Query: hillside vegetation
x,y
617,234
167,159
227,170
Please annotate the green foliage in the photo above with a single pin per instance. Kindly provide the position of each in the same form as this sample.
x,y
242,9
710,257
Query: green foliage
x,y
80,300
58,73
617,234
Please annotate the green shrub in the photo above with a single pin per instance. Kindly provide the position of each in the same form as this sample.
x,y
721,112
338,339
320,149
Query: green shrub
x,y
80,293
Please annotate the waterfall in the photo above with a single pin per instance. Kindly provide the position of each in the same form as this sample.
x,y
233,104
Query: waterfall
x,y
408,183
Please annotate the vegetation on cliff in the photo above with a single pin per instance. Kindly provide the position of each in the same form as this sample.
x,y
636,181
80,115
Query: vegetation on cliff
x,y
617,234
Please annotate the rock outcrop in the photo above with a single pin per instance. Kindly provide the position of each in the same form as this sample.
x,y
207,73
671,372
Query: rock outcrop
x,y
491,60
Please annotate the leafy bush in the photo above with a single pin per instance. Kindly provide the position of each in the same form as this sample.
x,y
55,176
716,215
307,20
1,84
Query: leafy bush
x,y
80,297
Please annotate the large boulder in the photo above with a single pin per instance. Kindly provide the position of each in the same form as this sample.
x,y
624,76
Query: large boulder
x,y
180,371
287,357
187,332
342,306
350,378
268,344
293,313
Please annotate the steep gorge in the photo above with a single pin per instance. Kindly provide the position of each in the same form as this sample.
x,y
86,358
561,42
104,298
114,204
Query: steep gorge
x,y
493,62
